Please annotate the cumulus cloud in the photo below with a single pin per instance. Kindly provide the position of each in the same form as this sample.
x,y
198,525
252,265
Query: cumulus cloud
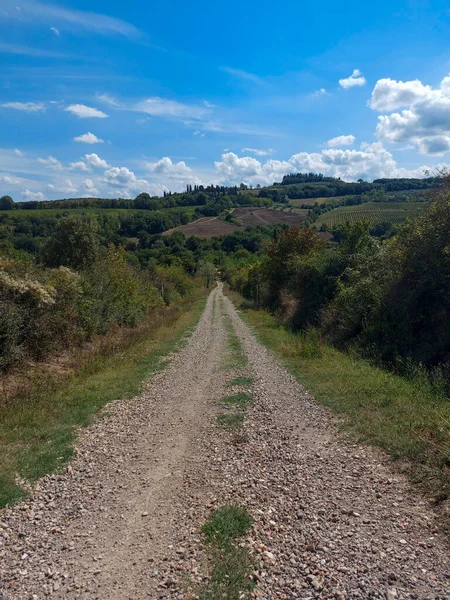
x,y
257,151
79,165
28,195
161,107
25,106
341,140
85,112
95,160
52,163
424,120
88,138
89,187
125,182
175,171
371,161
356,79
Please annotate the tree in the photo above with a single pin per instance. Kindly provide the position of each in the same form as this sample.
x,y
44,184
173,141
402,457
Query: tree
x,y
74,243
6,203
208,271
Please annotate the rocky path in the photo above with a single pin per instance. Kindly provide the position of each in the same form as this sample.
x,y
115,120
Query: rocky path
x,y
332,520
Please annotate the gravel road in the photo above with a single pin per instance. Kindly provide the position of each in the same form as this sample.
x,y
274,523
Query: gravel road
x,y
332,519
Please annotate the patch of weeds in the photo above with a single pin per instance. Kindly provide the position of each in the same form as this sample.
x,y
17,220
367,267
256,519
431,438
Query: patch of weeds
x,y
227,523
241,381
232,421
242,399
231,565
237,356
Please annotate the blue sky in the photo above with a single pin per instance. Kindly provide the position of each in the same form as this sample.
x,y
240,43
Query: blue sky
x,y
111,98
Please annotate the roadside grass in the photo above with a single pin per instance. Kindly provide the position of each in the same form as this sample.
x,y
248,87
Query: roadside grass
x,y
240,400
403,416
38,428
230,562
241,381
231,420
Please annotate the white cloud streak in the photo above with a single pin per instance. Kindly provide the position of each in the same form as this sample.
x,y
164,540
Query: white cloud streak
x,y
25,106
31,10
86,112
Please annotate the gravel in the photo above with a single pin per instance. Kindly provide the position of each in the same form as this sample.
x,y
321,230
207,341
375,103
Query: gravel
x,y
333,520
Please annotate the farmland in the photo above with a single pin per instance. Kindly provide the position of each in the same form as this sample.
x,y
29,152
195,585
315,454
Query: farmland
x,y
373,212
208,227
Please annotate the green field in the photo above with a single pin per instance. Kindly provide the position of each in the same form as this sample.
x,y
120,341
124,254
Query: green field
x,y
374,212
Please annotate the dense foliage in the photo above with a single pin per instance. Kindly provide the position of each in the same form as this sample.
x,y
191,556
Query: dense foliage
x,y
390,299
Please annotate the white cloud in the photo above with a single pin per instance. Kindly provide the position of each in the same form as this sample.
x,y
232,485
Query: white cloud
x,y
341,140
63,187
356,79
52,163
90,188
28,195
169,170
208,104
88,138
28,51
389,94
85,112
18,152
79,165
25,106
245,75
257,151
10,180
55,31
161,107
425,119
125,182
319,93
96,161
32,10
372,161
199,133
108,99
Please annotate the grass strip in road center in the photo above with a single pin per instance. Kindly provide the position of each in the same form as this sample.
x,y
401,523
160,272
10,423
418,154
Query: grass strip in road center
x,y
230,562
241,399
237,357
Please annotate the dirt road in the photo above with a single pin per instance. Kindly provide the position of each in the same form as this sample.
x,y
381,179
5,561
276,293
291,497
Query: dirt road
x,y
332,520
